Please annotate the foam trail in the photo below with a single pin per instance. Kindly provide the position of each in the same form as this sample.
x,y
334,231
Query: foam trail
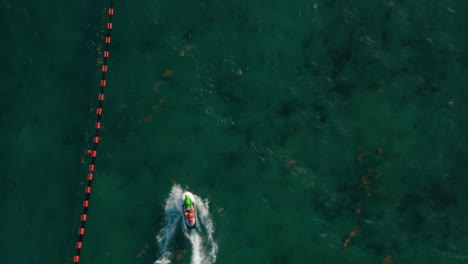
x,y
197,247
204,248
172,217
210,247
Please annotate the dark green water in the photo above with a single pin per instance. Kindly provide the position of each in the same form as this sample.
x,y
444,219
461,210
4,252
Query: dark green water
x,y
320,131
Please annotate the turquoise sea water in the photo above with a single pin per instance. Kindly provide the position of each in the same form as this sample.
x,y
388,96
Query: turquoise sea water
x,y
314,131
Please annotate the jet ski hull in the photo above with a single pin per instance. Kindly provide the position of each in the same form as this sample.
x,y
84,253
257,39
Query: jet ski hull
x,y
189,223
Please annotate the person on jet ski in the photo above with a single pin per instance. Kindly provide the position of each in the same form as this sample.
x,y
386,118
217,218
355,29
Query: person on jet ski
x,y
188,208
189,215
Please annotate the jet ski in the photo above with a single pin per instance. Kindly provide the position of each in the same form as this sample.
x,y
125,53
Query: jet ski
x,y
188,210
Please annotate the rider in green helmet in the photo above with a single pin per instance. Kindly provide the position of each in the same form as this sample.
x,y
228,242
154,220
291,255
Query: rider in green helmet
x,y
188,202
189,212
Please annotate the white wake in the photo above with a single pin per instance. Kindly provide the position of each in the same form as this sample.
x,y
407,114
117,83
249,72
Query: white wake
x,y
204,248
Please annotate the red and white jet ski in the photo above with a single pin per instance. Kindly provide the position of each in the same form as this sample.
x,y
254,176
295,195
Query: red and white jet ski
x,y
189,210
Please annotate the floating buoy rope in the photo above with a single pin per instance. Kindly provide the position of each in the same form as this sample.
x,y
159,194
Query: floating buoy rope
x,y
93,151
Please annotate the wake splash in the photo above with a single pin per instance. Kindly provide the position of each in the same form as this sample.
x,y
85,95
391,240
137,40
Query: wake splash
x,y
204,248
